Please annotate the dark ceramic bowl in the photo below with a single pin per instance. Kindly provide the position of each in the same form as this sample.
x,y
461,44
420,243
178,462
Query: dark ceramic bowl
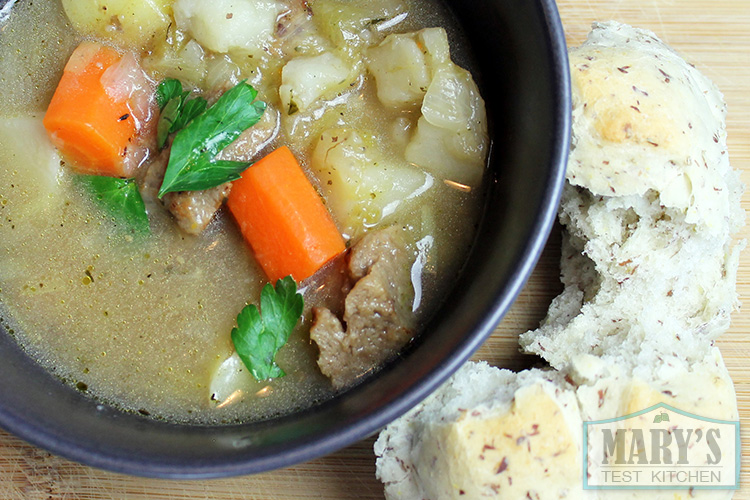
x,y
520,54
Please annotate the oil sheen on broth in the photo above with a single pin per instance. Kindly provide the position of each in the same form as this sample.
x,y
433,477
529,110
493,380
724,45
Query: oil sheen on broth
x,y
143,323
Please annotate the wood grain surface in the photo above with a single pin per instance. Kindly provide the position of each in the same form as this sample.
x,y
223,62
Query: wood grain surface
x,y
712,34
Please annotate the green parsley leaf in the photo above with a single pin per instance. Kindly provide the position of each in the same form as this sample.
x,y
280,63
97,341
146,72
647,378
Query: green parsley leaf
x,y
167,90
167,119
258,338
209,174
188,111
195,146
177,112
120,198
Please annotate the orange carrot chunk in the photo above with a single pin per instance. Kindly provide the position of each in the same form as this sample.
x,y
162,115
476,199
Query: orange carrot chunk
x,y
90,127
283,218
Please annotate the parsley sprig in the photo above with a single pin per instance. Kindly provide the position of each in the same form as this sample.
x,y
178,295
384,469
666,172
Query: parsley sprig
x,y
119,198
258,338
176,109
202,133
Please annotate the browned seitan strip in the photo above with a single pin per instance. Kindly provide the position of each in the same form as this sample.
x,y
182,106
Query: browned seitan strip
x,y
377,316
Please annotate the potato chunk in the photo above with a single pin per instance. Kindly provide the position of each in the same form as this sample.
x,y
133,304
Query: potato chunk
x,y
413,69
133,22
400,71
304,80
361,186
403,65
451,138
228,25
27,149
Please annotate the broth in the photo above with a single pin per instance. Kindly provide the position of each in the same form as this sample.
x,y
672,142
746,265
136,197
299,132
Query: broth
x,y
144,323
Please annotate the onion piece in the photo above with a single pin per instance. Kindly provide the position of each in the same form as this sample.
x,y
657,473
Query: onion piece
x,y
126,81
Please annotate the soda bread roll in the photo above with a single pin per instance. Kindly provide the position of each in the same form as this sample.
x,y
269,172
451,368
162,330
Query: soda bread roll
x,y
644,119
650,208
486,433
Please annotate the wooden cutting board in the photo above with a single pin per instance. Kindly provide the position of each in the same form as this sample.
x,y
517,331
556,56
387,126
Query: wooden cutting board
x,y
712,34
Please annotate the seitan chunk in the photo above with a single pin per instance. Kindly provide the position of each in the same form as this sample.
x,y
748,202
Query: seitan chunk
x,y
378,319
192,210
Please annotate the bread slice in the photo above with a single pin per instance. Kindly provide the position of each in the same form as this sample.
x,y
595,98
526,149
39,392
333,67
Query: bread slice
x,y
610,387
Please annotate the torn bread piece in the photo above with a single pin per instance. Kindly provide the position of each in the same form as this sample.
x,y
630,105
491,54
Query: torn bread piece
x,y
644,119
487,433
637,278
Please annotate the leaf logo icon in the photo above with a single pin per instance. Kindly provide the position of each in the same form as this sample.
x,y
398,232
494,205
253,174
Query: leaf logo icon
x,y
664,417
